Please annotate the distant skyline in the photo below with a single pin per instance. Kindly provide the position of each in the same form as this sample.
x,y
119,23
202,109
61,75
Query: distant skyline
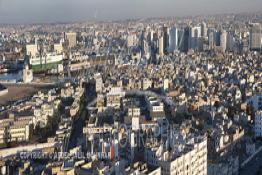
x,y
44,11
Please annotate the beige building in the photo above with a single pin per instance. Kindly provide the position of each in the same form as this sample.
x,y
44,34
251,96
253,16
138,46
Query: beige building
x,y
27,75
146,84
71,38
58,48
19,133
15,129
31,50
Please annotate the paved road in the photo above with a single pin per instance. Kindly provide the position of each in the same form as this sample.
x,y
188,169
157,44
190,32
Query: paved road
x,y
253,166
79,124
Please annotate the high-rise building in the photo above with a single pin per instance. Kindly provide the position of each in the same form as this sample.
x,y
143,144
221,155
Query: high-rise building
x,y
223,41
195,34
217,38
255,37
173,39
71,39
161,46
204,30
166,38
184,40
230,41
211,39
146,50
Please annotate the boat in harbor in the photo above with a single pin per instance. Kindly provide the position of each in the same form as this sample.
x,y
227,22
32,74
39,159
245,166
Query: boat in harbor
x,y
45,62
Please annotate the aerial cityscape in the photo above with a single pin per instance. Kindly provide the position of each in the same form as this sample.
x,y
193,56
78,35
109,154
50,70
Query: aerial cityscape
x,y
130,88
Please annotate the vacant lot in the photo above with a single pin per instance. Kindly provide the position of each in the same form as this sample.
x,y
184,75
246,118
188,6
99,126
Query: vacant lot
x,y
18,92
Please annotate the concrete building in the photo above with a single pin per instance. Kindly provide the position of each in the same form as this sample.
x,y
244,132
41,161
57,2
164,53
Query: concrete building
x,y
255,37
258,124
256,102
192,161
131,40
223,41
58,48
99,82
113,98
71,39
155,107
195,34
146,84
140,168
27,75
173,39
31,50
15,129
204,30
161,46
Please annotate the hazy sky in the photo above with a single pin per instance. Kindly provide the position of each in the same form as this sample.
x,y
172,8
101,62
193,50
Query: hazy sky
x,y
38,11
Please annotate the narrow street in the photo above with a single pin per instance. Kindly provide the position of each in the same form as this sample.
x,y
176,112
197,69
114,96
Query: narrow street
x,y
79,122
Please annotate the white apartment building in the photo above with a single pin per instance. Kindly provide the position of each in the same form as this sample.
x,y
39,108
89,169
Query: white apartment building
x,y
42,113
19,133
166,84
113,98
99,82
2,134
134,112
156,107
15,130
191,161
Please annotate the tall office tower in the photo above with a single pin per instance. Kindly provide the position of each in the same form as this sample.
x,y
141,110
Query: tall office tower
x,y
255,37
211,39
230,41
204,30
141,42
173,40
152,33
166,38
149,36
223,41
195,34
71,39
217,37
161,46
146,50
184,38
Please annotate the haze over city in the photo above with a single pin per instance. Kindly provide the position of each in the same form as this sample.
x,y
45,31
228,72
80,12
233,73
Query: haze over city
x,y
42,11
130,87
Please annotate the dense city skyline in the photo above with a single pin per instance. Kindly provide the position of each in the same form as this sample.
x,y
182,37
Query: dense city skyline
x,y
130,87
41,11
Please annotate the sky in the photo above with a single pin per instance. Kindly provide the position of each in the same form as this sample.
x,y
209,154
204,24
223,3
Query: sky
x,y
43,11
